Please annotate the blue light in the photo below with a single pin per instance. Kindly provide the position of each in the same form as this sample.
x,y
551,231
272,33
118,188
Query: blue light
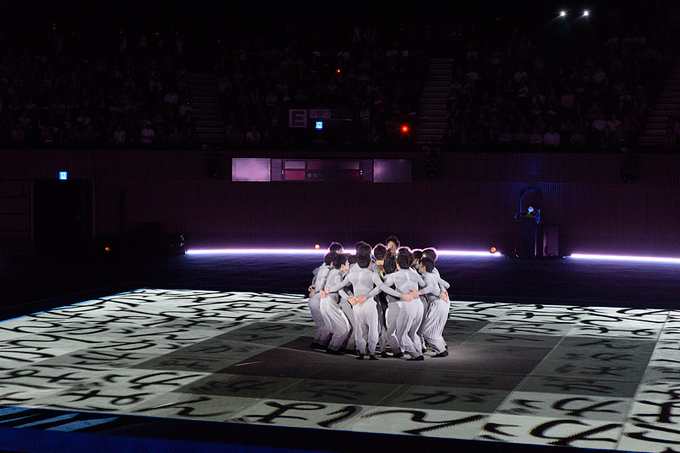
x,y
63,175
319,125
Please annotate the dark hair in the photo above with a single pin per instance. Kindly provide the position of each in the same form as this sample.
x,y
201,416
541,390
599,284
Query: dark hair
x,y
339,260
417,254
430,252
335,247
390,264
363,261
393,239
329,257
362,248
352,258
406,252
427,263
379,252
404,260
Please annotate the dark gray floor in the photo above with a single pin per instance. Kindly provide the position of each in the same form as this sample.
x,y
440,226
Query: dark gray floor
x,y
549,281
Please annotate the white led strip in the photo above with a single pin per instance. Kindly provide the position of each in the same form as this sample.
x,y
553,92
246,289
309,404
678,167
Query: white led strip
x,y
643,259
247,251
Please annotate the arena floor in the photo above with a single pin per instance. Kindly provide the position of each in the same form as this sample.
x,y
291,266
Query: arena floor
x,y
541,355
170,369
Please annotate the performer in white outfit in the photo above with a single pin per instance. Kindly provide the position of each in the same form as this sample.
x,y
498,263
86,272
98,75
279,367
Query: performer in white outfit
x,y
323,332
407,282
331,311
431,253
391,312
378,266
365,284
438,312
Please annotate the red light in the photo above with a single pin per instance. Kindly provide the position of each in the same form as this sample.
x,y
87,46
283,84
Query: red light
x,y
54,28
404,129
121,31
107,249
338,71
156,33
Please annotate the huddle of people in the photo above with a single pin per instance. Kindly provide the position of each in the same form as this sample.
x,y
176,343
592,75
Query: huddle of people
x,y
387,296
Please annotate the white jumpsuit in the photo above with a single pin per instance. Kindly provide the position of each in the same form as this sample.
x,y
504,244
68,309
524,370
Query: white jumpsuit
x,y
411,313
323,332
332,313
367,328
437,314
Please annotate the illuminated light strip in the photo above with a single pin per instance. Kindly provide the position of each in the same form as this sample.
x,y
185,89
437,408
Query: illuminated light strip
x,y
314,252
642,259
466,253
256,252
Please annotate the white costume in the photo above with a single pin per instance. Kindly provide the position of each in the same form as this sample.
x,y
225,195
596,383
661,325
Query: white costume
x,y
410,316
323,332
367,284
332,313
437,314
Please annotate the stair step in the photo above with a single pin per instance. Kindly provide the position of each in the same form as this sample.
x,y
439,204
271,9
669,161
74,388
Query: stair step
x,y
434,124
655,132
208,117
206,108
209,123
437,83
437,89
427,140
432,130
210,130
205,100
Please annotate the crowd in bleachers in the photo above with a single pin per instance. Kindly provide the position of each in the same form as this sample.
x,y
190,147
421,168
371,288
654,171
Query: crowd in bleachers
x,y
516,92
60,90
357,70
513,84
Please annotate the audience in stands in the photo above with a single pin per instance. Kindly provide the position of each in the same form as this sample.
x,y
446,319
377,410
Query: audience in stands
x,y
511,87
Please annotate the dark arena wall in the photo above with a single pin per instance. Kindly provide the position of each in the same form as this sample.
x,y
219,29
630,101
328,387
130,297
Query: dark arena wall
x,y
468,203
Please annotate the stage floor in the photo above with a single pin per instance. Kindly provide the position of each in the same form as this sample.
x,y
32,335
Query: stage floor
x,y
150,364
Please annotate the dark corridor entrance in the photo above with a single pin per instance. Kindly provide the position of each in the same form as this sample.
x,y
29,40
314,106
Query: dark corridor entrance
x,y
62,213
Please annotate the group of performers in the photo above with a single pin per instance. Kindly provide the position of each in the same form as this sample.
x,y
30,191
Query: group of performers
x,y
387,295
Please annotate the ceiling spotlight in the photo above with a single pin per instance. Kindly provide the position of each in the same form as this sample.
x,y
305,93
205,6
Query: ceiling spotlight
x,y
563,13
586,13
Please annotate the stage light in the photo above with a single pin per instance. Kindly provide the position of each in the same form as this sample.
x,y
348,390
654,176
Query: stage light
x,y
255,252
586,13
338,71
107,249
625,258
563,13
466,253
493,250
317,246
404,129
315,251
